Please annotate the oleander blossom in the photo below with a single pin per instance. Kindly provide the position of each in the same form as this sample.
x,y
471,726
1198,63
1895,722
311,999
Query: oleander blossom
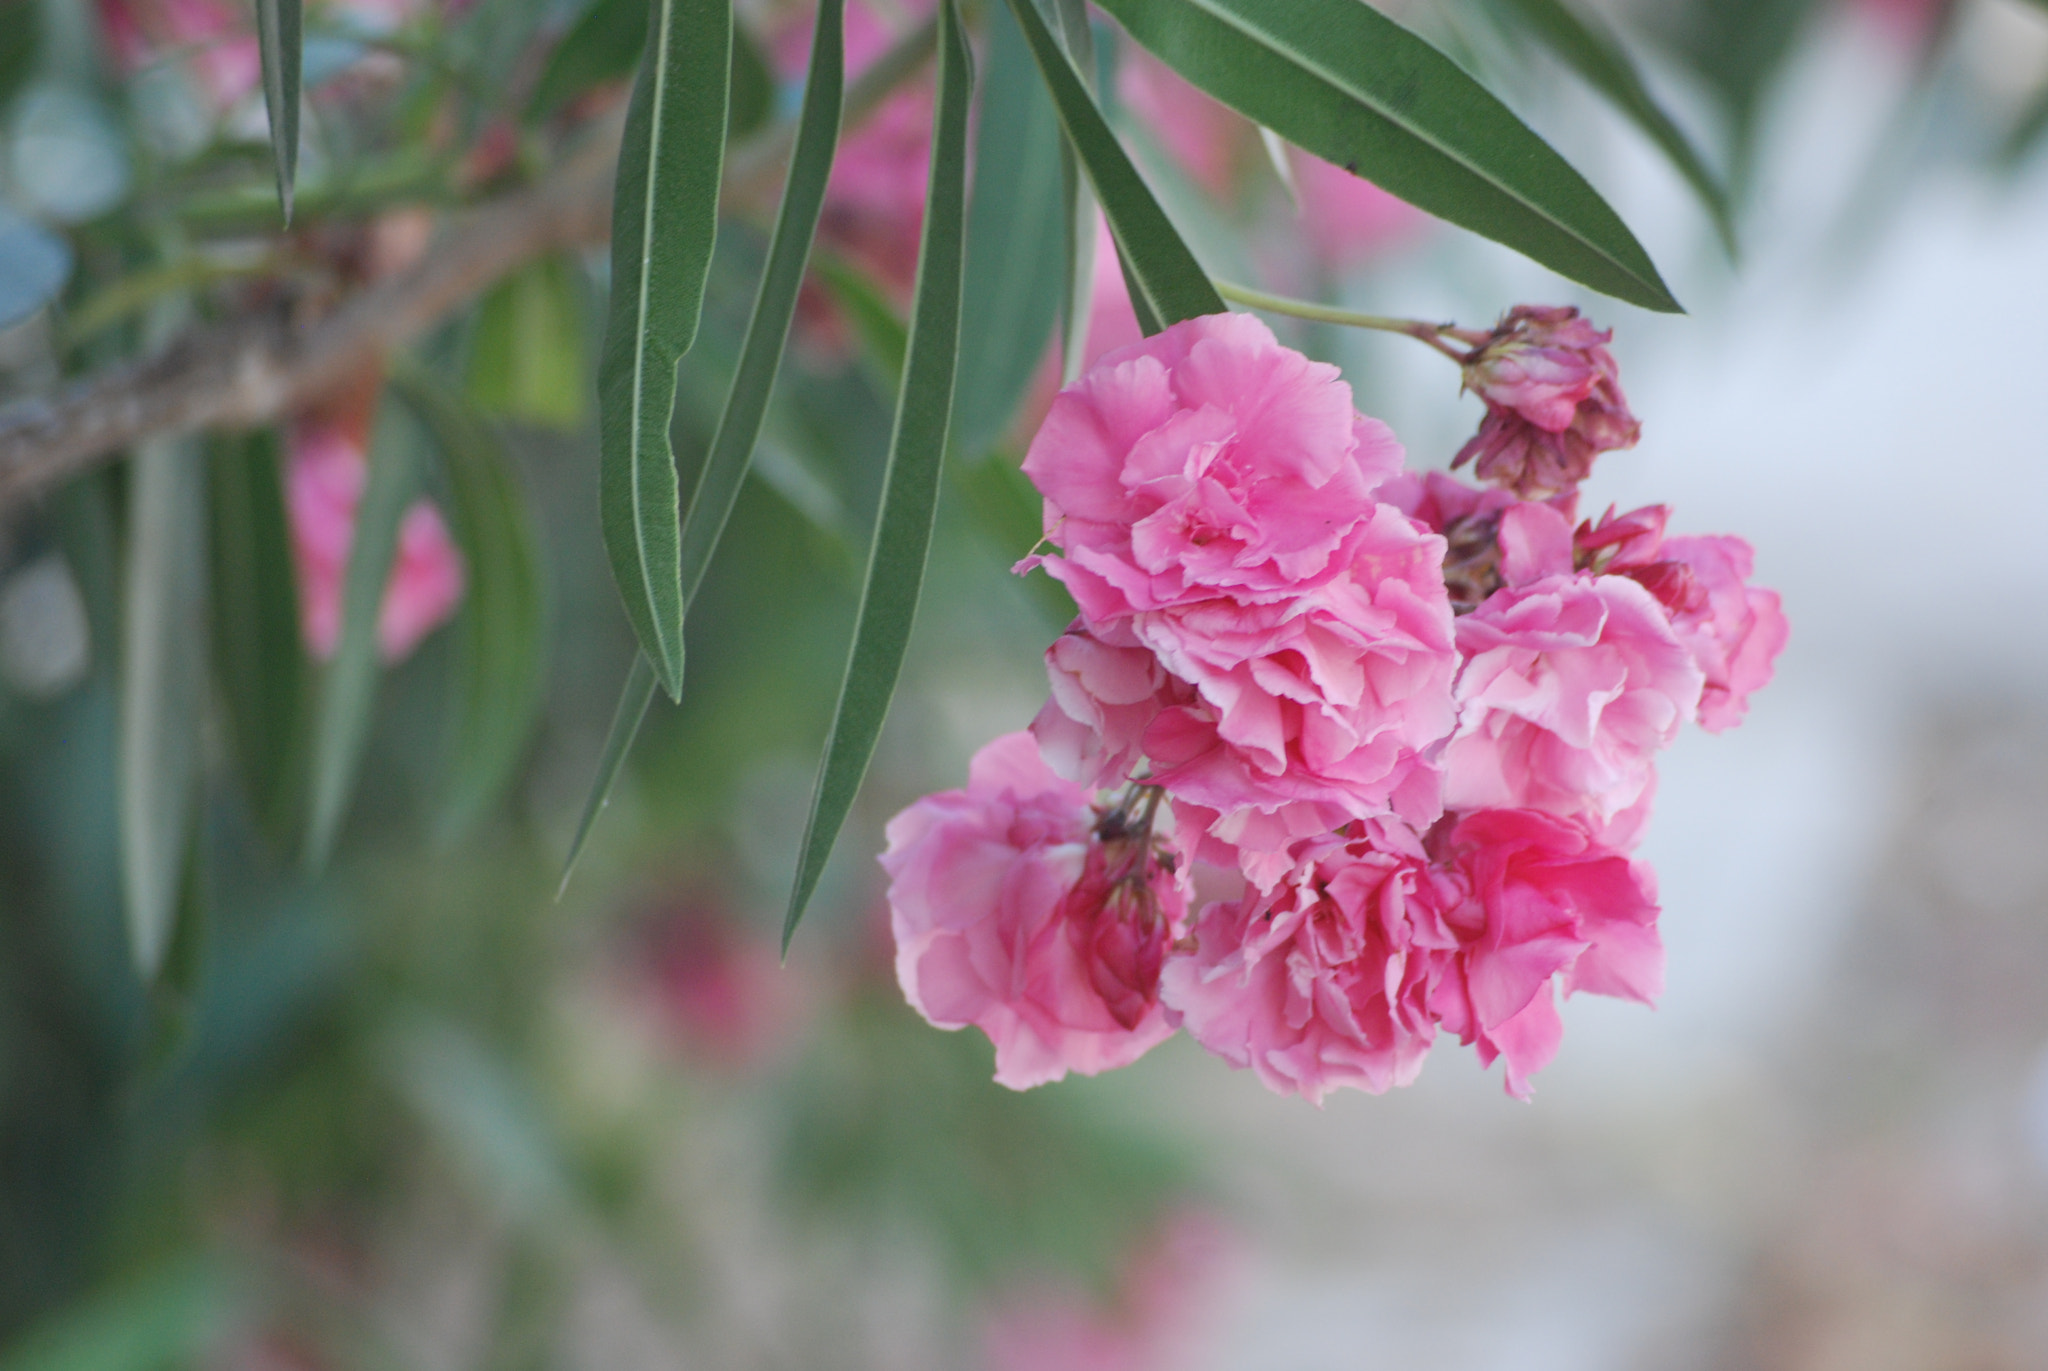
x,y
1211,495
1553,402
1020,908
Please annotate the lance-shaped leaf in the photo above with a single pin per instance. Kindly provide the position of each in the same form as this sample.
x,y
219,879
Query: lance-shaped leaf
x,y
163,667
634,697
526,350
910,486
500,634
1077,295
1353,87
664,219
1167,283
280,45
1015,241
258,655
1597,55
724,469
348,690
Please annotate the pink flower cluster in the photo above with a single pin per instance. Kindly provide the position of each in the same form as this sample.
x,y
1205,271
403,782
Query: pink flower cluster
x,y
1413,720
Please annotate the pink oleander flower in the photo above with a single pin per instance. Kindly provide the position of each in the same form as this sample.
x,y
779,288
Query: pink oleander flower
x,y
1553,402
1207,139
1546,901
1571,684
723,996
1347,218
1020,909
216,40
328,468
1332,980
1211,493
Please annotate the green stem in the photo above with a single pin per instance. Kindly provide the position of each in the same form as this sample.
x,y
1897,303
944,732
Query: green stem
x,y
1432,334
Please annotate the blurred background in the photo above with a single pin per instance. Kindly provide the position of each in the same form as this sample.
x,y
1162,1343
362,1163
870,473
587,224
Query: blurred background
x,y
416,1113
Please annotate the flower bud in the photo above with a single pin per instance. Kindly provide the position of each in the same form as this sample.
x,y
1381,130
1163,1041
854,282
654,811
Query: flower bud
x,y
1553,402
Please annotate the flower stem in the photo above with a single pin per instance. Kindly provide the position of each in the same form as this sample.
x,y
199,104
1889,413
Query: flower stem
x,y
1432,334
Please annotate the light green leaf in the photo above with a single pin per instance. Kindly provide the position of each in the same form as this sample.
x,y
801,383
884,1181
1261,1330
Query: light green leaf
x,y
167,1317
634,697
1353,87
724,469
280,46
883,336
1597,55
1167,283
1077,294
163,666
348,689
259,660
501,661
526,353
664,219
1015,241
910,487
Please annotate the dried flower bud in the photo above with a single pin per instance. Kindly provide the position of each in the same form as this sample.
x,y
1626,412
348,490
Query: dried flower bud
x,y
1553,402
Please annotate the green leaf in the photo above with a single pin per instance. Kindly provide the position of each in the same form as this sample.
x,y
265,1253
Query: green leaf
x,y
1739,47
1353,87
753,88
279,43
1011,514
21,44
634,697
348,691
910,486
168,1317
501,660
724,468
883,336
259,661
163,637
174,997
1015,241
604,43
1077,294
664,219
1589,48
526,354
1167,283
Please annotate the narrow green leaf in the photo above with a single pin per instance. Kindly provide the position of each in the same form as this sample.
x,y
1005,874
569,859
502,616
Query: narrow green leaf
x,y
348,691
724,469
174,997
526,352
259,661
2026,131
883,336
1163,273
1589,48
634,697
1011,514
1015,241
664,219
501,661
601,46
1353,87
1739,48
280,46
1077,294
910,487
163,639
753,88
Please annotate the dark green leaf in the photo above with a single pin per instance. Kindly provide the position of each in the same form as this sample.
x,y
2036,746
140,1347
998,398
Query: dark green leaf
x,y
1015,241
664,218
279,43
634,698
910,487
1077,293
348,690
21,43
601,46
1596,54
163,674
1164,274
753,88
883,336
501,661
259,661
1739,47
1351,86
526,354
174,997
724,469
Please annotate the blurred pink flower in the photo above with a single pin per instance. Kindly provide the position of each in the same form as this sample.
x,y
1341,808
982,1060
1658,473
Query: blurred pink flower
x,y
1553,402
215,39
1019,909
328,468
1347,218
1206,138
724,993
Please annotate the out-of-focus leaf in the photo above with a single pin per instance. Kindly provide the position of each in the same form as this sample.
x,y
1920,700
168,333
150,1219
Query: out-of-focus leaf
x,y
34,264
21,45
1597,55
1739,47
501,660
634,697
163,673
1077,292
174,997
910,488
753,87
163,1319
664,219
601,46
1164,274
348,688
2027,130
724,468
1353,87
526,355
259,660
1015,241
1011,513
883,336
279,40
